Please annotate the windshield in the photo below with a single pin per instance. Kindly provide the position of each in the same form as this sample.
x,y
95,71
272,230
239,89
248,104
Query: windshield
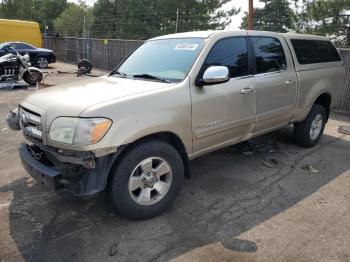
x,y
167,59
3,45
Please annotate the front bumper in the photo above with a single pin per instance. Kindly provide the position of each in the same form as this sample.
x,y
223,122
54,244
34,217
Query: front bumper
x,y
51,172
41,173
79,172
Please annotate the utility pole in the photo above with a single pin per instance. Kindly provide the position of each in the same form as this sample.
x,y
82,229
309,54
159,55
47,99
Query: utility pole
x,y
250,15
45,33
177,19
84,36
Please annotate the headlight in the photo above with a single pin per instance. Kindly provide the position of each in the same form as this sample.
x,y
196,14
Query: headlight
x,y
78,131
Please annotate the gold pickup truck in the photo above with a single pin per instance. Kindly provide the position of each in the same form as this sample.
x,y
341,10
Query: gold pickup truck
x,y
175,98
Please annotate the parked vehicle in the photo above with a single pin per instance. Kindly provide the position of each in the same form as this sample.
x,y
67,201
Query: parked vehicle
x,y
39,57
14,67
173,99
22,31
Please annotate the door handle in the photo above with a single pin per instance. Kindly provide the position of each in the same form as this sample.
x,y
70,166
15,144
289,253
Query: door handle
x,y
246,90
288,82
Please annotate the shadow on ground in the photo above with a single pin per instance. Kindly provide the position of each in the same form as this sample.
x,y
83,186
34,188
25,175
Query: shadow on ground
x,y
231,191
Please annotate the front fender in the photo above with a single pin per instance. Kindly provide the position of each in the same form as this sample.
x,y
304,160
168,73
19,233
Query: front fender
x,y
167,110
31,68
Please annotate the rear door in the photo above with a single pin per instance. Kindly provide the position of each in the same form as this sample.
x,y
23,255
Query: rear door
x,y
223,113
276,81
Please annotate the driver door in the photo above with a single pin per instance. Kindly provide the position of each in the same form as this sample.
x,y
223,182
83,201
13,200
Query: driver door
x,y
225,113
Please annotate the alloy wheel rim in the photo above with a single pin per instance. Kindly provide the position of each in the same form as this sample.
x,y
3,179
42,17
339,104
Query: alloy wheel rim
x,y
42,62
150,181
316,127
34,76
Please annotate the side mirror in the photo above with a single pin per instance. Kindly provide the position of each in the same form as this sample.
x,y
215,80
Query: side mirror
x,y
215,75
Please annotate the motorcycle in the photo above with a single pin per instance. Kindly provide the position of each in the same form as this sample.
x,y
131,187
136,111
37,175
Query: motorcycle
x,y
15,67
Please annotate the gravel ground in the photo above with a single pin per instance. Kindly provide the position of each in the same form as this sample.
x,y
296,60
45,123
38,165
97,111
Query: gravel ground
x,y
267,200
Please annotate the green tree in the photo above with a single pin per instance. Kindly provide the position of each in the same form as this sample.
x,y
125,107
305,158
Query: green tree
x,y
325,17
276,16
18,9
71,21
41,11
143,19
47,11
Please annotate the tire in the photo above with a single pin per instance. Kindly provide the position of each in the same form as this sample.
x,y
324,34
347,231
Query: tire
x,y
309,132
130,187
42,62
33,77
84,67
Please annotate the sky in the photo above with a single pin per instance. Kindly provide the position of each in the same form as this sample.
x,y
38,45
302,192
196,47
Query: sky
x,y
243,4
236,20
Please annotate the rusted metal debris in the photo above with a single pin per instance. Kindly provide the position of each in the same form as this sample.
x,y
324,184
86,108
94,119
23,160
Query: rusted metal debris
x,y
310,170
344,130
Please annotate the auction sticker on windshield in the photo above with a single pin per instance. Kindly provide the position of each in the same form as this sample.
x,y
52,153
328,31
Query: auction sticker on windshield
x,y
189,47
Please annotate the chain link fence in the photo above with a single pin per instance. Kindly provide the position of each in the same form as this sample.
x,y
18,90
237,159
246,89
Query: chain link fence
x,y
344,106
103,53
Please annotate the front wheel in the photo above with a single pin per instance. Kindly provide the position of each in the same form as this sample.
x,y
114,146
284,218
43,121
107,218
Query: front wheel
x,y
32,77
147,179
309,132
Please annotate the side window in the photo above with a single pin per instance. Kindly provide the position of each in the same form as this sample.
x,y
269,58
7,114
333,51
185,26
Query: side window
x,y
19,46
314,51
230,52
269,54
14,45
22,46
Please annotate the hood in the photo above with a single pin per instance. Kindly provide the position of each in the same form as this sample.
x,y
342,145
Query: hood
x,y
73,98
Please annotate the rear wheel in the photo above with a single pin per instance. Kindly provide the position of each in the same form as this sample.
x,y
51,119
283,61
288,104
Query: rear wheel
x,y
309,132
42,62
146,179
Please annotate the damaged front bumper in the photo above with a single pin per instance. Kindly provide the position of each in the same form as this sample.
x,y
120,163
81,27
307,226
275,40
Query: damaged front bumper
x,y
75,174
81,174
41,173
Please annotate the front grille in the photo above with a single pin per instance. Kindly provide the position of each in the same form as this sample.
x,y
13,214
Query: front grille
x,y
30,123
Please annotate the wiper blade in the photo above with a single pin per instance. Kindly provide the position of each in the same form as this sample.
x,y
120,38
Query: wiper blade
x,y
116,72
148,76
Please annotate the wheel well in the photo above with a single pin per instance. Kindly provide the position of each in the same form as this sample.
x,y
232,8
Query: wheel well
x,y
40,56
325,101
175,141
170,138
